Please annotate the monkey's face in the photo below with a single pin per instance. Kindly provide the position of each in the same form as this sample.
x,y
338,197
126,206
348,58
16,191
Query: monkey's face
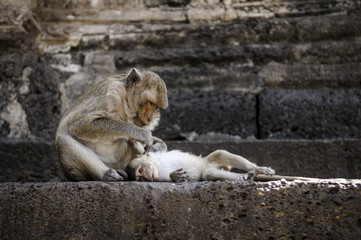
x,y
142,169
149,94
148,112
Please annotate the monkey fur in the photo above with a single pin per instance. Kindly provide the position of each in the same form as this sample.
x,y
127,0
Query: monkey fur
x,y
109,124
180,166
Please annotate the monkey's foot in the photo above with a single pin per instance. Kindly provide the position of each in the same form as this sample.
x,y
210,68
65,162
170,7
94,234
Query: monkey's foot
x,y
264,170
113,175
179,176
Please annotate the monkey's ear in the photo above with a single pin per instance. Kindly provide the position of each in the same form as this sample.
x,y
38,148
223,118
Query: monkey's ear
x,y
133,77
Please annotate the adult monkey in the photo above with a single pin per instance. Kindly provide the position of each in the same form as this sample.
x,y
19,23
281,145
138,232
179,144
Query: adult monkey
x,y
110,123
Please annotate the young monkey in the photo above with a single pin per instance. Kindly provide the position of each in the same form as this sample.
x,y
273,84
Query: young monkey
x,y
180,166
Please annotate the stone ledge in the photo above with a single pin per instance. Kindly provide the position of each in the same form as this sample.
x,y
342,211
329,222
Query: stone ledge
x,y
23,161
205,210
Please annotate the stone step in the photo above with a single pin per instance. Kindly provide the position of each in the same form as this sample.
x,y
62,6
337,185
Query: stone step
x,y
25,161
207,210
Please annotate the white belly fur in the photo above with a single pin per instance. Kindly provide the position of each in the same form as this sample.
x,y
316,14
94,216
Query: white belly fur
x,y
174,160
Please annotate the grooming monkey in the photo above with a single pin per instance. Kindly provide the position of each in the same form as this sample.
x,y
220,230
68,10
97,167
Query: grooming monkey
x,y
110,123
180,166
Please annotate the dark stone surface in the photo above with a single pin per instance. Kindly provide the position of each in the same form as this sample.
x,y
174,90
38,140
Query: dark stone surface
x,y
302,47
203,112
319,52
38,161
290,30
310,114
19,51
42,104
25,161
206,210
339,75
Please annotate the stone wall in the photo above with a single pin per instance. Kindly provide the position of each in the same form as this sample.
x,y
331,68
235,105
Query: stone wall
x,y
235,70
278,82
250,51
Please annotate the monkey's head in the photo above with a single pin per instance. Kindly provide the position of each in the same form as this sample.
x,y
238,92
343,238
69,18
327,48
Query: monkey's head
x,y
147,93
143,169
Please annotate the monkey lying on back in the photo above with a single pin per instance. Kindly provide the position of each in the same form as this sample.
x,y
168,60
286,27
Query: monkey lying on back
x,y
179,166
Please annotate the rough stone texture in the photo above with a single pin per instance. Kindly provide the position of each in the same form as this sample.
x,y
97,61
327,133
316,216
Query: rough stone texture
x,y
53,50
207,210
234,53
232,113
310,114
24,161
343,75
30,101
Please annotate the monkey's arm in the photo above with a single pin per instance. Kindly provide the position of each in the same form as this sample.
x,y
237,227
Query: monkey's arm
x,y
103,129
265,178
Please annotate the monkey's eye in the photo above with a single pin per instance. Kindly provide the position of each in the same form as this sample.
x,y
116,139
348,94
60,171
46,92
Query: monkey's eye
x,y
140,170
152,104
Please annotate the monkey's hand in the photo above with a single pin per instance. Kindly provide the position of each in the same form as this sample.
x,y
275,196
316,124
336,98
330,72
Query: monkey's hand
x,y
113,175
137,147
144,136
179,176
264,170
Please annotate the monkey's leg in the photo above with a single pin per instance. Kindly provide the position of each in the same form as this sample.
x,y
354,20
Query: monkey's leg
x,y
223,158
158,145
215,174
81,163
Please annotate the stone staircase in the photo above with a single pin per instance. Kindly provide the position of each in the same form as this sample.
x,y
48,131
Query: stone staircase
x,y
278,82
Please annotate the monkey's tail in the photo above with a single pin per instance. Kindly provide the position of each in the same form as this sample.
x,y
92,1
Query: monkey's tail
x,y
266,178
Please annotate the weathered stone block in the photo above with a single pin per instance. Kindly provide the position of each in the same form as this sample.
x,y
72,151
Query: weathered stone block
x,y
211,78
298,75
310,114
207,210
25,161
202,112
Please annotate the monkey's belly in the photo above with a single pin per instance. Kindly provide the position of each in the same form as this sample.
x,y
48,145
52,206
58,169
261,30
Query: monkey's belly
x,y
115,155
